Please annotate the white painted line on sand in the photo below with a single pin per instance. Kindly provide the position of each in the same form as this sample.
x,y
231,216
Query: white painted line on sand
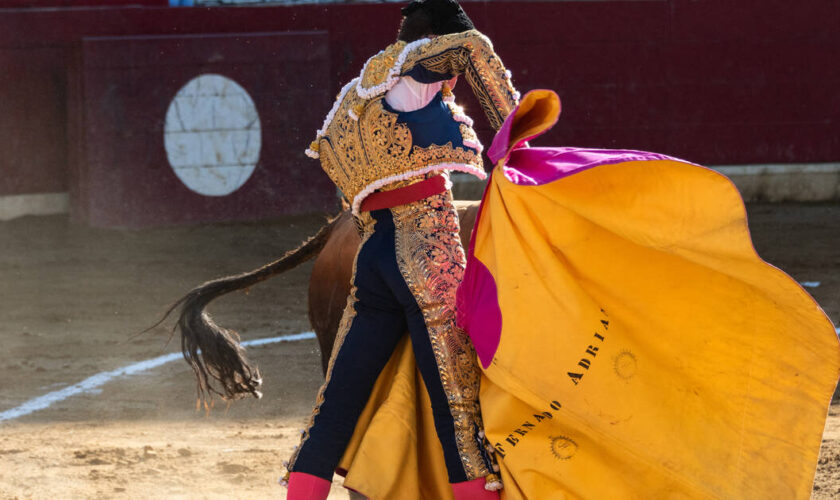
x,y
92,383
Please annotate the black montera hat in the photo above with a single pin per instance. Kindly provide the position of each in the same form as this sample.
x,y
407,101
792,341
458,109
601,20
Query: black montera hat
x,y
442,16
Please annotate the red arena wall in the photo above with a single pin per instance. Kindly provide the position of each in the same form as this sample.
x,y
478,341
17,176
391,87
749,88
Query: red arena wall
x,y
133,132
85,91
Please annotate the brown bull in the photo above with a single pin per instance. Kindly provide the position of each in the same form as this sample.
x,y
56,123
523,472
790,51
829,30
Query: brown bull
x,y
214,352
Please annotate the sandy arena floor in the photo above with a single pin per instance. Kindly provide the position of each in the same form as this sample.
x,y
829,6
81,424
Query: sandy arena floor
x,y
72,297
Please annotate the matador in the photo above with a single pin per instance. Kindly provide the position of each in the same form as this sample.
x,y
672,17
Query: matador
x,y
389,143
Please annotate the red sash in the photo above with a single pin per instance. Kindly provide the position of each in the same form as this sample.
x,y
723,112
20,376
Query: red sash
x,y
403,195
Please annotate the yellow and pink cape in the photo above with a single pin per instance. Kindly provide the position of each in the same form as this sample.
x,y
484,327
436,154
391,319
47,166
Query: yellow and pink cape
x,y
633,343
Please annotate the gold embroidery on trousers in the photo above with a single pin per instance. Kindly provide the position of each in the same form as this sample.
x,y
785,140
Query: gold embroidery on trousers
x,y
431,260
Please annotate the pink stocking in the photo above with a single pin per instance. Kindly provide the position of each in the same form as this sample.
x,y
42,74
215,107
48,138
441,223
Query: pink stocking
x,y
473,490
304,486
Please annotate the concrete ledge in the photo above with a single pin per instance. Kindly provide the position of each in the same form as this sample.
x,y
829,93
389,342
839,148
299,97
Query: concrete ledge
x,y
772,182
785,182
466,186
12,206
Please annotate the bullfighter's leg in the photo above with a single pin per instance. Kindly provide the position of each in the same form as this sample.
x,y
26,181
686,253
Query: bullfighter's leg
x,y
372,325
431,262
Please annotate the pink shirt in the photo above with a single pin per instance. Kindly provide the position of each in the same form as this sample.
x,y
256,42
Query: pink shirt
x,y
410,95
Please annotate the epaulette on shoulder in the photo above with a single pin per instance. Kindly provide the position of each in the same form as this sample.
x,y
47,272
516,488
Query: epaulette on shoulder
x,y
381,72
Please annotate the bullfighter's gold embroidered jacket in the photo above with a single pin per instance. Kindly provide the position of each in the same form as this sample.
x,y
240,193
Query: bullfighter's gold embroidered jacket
x,y
364,145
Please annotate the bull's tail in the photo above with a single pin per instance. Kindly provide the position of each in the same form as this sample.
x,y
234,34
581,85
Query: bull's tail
x,y
219,362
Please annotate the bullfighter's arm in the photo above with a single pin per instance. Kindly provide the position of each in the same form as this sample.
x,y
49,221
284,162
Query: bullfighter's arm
x,y
470,54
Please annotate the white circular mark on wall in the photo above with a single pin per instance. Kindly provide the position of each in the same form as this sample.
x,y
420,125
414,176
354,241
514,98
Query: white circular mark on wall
x,y
212,135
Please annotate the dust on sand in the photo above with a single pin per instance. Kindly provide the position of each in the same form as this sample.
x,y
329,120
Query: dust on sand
x,y
72,297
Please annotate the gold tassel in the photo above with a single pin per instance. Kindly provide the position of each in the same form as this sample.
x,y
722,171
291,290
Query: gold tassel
x,y
492,482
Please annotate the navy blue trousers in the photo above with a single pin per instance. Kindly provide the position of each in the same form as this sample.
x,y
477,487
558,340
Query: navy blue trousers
x,y
383,308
